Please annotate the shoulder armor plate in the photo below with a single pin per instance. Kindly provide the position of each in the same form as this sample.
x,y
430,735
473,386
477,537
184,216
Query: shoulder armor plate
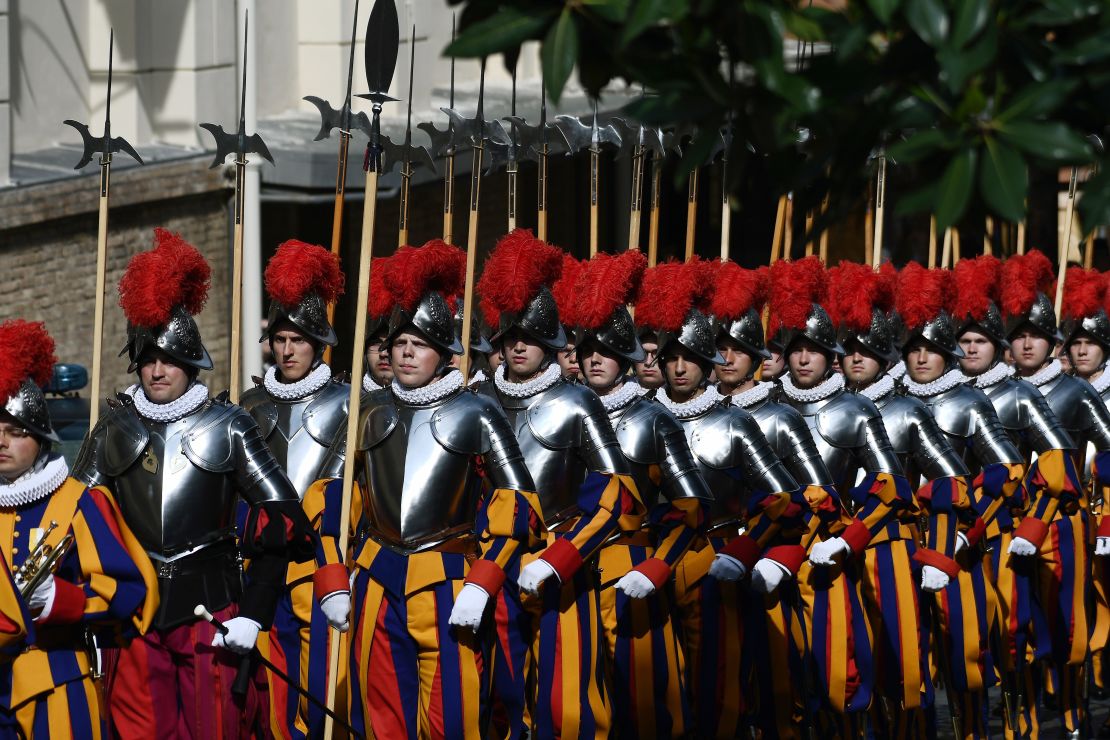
x,y
553,419
454,427
958,412
125,438
712,442
379,418
258,403
843,420
325,418
637,431
208,444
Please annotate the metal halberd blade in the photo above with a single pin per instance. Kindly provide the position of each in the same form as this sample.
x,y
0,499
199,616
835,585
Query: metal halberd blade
x,y
107,144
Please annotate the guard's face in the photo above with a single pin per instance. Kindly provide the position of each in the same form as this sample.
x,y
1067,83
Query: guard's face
x,y
738,365
293,354
1087,356
494,359
602,368
923,363
683,370
377,361
1030,350
809,364
163,379
860,367
18,448
568,362
978,353
414,360
648,372
773,367
522,355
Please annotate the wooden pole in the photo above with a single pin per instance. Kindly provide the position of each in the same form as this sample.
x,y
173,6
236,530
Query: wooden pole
x,y
595,164
1065,246
449,198
237,280
880,198
1089,250
988,236
955,247
691,213
946,254
824,248
101,276
780,224
337,214
471,254
541,195
788,228
653,217
636,205
726,221
932,242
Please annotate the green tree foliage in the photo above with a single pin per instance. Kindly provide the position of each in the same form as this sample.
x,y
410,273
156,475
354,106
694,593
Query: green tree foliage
x,y
972,94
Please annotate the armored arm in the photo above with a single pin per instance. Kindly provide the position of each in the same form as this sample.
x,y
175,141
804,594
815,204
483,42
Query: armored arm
x,y
600,448
876,455
89,465
258,476
1042,427
992,444
504,461
681,477
794,445
931,450
761,466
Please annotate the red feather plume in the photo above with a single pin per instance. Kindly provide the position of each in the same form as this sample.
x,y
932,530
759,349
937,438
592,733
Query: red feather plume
x,y
608,282
795,286
566,296
735,290
669,290
298,268
414,271
977,283
923,293
379,303
1023,275
854,290
1084,293
518,267
173,273
30,354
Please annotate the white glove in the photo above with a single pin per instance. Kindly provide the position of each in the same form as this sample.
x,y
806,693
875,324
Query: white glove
x,y
727,568
768,574
241,635
824,553
41,599
961,541
469,606
933,579
636,585
1022,546
1102,546
336,607
533,575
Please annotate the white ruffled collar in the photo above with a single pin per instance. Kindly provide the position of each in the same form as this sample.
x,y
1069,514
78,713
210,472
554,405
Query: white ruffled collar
x,y
369,385
1046,373
34,484
307,385
430,393
531,387
1102,382
478,377
995,375
621,397
945,382
752,396
694,407
898,370
879,389
819,392
189,401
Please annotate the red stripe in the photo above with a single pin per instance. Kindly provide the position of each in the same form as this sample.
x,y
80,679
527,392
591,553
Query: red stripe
x,y
383,695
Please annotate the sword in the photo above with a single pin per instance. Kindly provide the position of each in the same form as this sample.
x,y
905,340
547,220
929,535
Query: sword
x,y
243,676
382,42
473,132
443,146
342,119
105,146
240,144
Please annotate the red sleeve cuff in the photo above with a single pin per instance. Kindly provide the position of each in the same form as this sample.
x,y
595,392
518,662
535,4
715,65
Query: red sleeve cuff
x,y
69,603
857,535
1032,529
330,579
1104,527
788,556
564,558
925,556
976,532
744,548
656,571
486,574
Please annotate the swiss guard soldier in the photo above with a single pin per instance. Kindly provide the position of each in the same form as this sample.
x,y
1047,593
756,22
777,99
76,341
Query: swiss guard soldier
x,y
1055,529
566,298
449,507
301,411
773,661
644,653
176,461
585,491
103,581
750,487
379,304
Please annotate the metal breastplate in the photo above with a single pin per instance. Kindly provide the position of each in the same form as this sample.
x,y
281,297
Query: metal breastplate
x,y
790,438
967,418
303,435
563,434
653,440
1091,451
917,440
850,436
418,491
734,459
1027,418
1082,413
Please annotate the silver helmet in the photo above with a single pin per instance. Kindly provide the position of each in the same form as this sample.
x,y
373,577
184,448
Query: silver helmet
x,y
28,407
1097,325
539,319
1041,316
478,341
990,326
940,333
818,329
879,338
747,331
698,334
310,316
433,318
179,338
619,335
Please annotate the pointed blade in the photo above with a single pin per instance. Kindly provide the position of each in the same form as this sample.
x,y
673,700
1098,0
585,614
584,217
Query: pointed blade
x,y
383,38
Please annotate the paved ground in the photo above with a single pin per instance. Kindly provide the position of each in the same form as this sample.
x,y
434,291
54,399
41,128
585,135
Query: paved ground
x,y
1050,721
